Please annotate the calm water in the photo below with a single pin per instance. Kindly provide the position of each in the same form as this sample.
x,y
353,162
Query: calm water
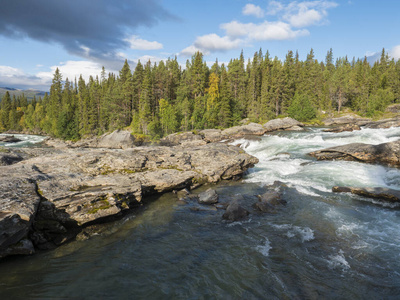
x,y
320,245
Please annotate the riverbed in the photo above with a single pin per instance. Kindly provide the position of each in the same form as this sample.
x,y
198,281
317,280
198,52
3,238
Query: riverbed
x,y
320,245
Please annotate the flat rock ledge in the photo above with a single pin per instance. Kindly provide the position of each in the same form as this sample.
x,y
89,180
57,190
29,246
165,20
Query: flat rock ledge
x,y
386,153
383,194
51,195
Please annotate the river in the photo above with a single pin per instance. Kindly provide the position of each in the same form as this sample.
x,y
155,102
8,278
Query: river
x,y
320,245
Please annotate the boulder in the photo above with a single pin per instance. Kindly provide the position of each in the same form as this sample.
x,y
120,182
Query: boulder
x,y
212,135
386,153
269,201
119,139
208,197
9,139
180,138
348,119
394,108
240,131
282,124
384,194
347,127
386,123
235,212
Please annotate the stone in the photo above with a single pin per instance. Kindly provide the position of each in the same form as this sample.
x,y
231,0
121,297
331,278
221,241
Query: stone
x,y
384,194
235,212
9,158
212,135
394,108
119,139
243,130
386,153
179,138
281,124
347,127
347,119
47,197
271,199
382,124
9,139
208,197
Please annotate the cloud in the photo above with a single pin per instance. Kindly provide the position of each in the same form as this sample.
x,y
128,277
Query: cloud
x,y
213,42
14,77
191,50
292,18
98,25
264,31
253,10
139,44
302,14
395,52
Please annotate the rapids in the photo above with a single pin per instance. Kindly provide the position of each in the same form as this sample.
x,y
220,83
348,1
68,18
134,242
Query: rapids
x,y
321,245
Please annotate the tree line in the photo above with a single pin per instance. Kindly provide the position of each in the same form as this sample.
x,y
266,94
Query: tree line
x,y
159,99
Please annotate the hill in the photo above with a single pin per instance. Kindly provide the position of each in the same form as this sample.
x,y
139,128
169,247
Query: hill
x,y
28,93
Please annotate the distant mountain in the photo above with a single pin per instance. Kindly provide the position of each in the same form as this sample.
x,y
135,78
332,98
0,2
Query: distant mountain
x,y
28,93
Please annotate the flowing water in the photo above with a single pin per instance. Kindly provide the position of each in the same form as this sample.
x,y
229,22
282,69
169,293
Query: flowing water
x,y
26,140
320,245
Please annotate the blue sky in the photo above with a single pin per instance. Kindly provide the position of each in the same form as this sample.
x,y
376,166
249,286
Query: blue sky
x,y
81,36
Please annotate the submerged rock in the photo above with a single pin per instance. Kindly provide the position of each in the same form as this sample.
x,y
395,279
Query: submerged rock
x,y
235,212
269,201
208,197
386,153
384,194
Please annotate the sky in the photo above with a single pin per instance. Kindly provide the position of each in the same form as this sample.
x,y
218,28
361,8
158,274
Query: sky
x,y
81,36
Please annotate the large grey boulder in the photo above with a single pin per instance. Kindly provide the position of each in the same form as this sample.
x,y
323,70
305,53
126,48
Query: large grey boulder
x,y
235,212
282,124
208,197
386,153
348,119
119,139
240,131
179,138
384,194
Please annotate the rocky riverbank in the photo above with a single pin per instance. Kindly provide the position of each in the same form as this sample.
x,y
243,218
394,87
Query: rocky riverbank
x,y
49,195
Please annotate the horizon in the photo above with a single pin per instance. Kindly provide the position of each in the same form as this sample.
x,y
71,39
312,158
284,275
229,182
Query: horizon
x,y
81,39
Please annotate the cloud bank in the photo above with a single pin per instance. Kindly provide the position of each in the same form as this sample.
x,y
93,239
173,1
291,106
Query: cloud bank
x,y
92,29
291,22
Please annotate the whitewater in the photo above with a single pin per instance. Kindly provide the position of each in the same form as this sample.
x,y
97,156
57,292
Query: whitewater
x,y
320,245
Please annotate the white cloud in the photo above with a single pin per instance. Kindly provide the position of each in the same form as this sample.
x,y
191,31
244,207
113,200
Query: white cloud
x,y
254,10
264,31
191,50
303,14
395,52
274,7
140,44
13,77
213,42
292,18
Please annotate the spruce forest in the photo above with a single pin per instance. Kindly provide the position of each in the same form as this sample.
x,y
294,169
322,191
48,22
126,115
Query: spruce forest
x,y
158,99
